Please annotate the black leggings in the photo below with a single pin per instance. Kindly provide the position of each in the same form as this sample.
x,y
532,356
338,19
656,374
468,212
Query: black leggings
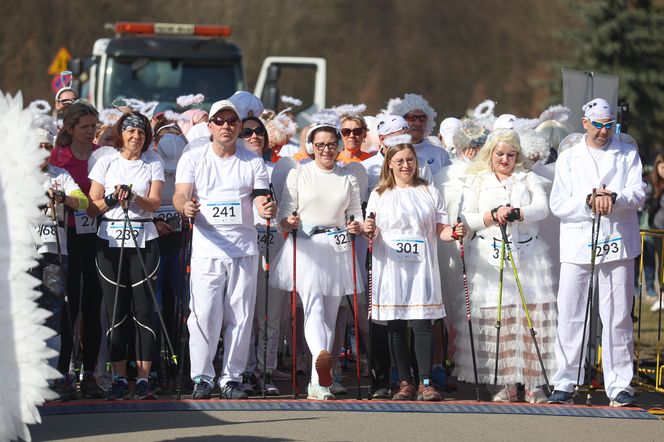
x,y
397,333
85,293
134,303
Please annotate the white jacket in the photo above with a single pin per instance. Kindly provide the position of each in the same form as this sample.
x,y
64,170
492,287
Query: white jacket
x,y
576,176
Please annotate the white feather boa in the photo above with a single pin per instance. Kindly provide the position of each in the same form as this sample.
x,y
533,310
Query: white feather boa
x,y
23,350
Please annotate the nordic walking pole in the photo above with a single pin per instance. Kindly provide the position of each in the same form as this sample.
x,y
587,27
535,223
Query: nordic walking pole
x,y
355,316
470,324
185,290
267,279
294,314
372,215
500,302
125,209
503,231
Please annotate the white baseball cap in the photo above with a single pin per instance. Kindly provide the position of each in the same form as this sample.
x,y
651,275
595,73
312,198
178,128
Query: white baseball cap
x,y
221,105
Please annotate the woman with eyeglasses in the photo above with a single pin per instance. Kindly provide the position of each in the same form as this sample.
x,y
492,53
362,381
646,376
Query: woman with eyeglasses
x,y
74,146
128,183
318,201
500,190
353,131
409,218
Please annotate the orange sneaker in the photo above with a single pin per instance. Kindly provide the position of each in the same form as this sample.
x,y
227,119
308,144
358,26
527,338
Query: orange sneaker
x,y
406,392
324,368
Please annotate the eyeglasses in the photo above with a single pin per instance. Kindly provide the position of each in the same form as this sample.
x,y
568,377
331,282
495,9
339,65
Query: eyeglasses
x,y
46,146
400,162
357,131
411,118
329,146
219,121
600,125
247,133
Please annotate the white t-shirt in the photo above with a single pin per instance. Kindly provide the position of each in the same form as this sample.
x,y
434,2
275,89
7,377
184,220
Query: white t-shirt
x,y
111,170
374,164
433,156
58,179
223,183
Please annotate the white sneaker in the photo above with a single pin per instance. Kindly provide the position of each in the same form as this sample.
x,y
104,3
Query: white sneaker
x,y
659,304
338,388
316,392
506,394
536,396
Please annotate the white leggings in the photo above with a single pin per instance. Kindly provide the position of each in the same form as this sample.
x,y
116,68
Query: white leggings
x,y
320,317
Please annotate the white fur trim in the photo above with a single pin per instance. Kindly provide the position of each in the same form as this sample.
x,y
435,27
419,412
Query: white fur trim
x,y
190,100
393,140
291,100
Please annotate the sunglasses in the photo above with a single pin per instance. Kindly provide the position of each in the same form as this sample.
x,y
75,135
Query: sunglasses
x,y
357,131
66,100
247,133
411,118
329,146
219,121
600,125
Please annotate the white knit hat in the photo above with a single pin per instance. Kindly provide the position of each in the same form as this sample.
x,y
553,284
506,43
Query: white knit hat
x,y
389,124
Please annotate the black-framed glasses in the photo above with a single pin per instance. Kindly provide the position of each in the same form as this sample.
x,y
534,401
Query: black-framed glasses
x,y
599,125
329,146
401,162
411,118
358,131
247,132
219,121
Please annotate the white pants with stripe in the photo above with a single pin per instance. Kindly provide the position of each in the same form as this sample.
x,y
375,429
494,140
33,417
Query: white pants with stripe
x,y
614,281
223,296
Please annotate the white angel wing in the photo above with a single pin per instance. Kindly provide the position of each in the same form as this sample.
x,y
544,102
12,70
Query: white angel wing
x,y
279,174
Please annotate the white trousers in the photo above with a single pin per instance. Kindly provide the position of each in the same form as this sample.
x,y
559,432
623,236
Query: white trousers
x,y
320,317
614,282
223,296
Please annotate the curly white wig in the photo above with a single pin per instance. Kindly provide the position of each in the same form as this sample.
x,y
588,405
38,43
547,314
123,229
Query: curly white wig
x,y
411,102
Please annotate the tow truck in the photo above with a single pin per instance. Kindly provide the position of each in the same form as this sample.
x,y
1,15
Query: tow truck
x,y
161,61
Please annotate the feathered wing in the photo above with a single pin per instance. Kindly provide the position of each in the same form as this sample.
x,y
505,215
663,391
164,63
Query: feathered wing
x,y
23,351
279,175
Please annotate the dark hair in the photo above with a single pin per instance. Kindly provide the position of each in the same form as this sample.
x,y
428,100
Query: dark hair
x,y
266,142
655,180
329,129
117,130
72,116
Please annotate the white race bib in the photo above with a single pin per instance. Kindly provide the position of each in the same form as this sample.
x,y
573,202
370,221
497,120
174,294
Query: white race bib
x,y
222,212
610,248
339,239
84,223
494,254
263,238
47,233
116,231
168,214
408,248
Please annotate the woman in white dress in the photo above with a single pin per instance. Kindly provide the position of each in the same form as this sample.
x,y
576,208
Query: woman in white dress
x,y
318,200
410,215
498,184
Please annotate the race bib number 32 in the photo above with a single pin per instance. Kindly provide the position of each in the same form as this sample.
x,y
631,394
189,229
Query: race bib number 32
x,y
408,248
223,212
339,239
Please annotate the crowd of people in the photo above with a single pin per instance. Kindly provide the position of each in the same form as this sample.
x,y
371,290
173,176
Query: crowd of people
x,y
481,243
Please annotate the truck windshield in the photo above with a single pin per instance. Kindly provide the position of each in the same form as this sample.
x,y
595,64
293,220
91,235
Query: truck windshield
x,y
165,80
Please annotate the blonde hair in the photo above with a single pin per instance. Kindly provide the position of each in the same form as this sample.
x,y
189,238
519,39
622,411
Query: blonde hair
x,y
483,161
387,180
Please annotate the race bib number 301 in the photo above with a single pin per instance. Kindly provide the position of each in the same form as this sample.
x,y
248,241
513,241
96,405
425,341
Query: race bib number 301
x,y
117,233
223,212
408,248
84,223
339,239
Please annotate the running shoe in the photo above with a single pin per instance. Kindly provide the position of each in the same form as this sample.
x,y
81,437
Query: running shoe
x,y
536,396
324,368
202,390
658,304
248,384
320,393
506,394
561,397
119,391
65,389
407,392
105,382
232,390
90,389
427,392
623,399
337,387
269,387
143,391
155,385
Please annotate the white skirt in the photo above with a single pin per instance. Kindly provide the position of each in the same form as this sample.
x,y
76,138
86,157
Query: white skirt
x,y
320,268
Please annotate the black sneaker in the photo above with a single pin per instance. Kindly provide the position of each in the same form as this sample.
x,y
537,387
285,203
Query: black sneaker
x,y
155,385
90,389
119,391
561,397
65,389
202,390
232,391
623,399
143,391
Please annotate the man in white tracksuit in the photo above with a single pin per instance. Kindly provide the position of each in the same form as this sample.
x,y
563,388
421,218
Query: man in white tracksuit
x,y
599,174
216,184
